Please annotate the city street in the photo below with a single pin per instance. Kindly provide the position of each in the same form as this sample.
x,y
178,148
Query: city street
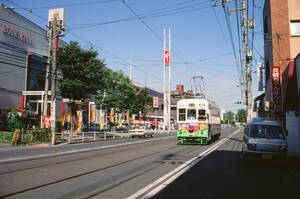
x,y
135,168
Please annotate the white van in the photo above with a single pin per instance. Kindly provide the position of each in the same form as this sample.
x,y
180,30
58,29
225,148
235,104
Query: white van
x,y
264,139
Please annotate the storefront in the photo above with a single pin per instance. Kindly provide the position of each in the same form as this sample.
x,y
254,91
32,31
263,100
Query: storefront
x,y
23,60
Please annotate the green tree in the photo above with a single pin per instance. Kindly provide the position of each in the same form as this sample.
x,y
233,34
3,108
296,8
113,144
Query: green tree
x,y
118,92
229,117
241,116
142,101
82,73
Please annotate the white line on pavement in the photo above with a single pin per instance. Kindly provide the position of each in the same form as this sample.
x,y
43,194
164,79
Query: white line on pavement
x,y
77,151
174,174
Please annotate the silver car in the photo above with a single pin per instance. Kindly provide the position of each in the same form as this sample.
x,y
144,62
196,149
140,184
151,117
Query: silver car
x,y
264,139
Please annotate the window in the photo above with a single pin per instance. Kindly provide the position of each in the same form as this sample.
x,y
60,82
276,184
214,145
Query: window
x,y
201,114
191,114
295,27
181,114
266,131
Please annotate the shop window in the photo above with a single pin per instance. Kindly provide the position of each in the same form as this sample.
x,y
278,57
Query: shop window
x,y
295,27
36,73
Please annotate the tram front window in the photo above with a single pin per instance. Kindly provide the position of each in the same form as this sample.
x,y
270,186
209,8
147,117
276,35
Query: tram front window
x,y
182,114
191,114
201,115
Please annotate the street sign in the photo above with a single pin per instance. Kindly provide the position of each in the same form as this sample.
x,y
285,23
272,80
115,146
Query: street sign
x,y
167,57
155,102
59,15
276,88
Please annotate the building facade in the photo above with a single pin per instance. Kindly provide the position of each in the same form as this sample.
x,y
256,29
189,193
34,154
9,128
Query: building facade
x,y
23,61
281,44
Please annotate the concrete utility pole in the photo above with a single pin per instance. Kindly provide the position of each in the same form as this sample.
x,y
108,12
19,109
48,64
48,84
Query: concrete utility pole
x,y
247,55
167,83
169,109
248,69
53,85
45,103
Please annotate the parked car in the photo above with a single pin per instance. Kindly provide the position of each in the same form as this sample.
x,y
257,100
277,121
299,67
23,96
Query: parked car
x,y
141,131
264,139
92,127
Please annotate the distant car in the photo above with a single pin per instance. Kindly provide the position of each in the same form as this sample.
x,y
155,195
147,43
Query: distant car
x,y
92,127
264,139
141,131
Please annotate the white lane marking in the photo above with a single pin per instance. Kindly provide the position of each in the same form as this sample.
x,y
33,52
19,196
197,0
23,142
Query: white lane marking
x,y
78,150
174,174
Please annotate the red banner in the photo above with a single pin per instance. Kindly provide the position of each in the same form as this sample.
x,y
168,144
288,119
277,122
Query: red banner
x,y
276,88
167,57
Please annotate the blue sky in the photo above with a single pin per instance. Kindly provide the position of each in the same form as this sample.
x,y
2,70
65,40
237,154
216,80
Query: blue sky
x,y
202,43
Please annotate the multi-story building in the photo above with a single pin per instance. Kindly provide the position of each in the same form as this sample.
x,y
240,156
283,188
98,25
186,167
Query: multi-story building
x,y
23,60
281,44
281,48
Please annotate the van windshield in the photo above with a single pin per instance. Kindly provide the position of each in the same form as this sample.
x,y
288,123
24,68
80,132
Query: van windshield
x,y
266,131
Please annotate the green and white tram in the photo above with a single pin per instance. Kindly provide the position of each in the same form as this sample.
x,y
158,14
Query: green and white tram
x,y
198,121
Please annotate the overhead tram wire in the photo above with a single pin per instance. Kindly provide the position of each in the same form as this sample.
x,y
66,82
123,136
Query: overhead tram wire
x,y
166,11
239,41
233,49
113,55
73,4
77,36
155,34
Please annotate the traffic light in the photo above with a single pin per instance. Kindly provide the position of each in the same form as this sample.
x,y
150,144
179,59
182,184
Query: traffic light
x,y
238,102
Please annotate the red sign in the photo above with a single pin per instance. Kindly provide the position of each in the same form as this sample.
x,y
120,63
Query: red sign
x,y
167,57
47,121
13,32
155,102
276,88
191,105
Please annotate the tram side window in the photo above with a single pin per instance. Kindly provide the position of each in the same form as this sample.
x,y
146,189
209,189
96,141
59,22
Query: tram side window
x,y
191,114
201,114
182,114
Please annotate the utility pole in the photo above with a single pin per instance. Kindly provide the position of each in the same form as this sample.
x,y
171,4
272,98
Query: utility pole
x,y
169,108
53,85
248,56
45,103
167,83
248,69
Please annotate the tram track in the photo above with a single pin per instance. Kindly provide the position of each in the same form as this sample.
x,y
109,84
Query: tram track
x,y
148,169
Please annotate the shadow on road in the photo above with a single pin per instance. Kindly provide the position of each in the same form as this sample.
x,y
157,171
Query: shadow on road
x,y
222,174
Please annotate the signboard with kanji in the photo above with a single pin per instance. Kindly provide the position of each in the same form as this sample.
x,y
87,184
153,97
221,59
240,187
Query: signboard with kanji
x,y
59,15
276,88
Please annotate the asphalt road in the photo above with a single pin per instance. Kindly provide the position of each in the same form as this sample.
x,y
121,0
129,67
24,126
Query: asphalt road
x,y
222,174
135,168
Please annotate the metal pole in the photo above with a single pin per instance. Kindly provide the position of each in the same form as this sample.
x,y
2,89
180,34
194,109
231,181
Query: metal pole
x,y
169,100
45,108
248,69
53,86
165,97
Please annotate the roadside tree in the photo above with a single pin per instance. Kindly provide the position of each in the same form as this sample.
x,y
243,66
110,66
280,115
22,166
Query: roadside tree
x,y
82,73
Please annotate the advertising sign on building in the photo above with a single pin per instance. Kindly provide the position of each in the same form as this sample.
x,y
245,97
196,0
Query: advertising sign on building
x,y
167,57
276,88
155,102
59,15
